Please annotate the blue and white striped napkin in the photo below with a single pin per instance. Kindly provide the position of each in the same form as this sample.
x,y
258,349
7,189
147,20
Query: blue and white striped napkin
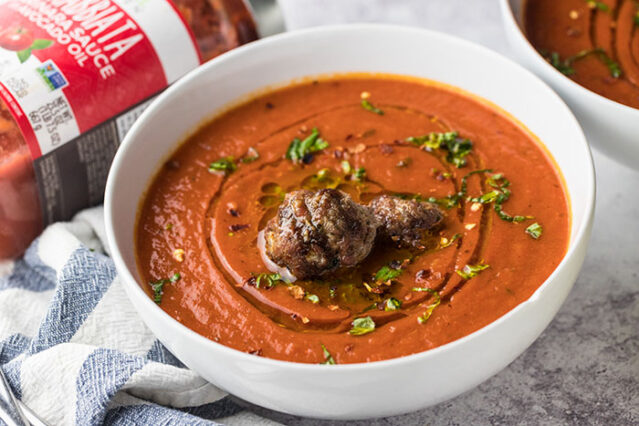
x,y
75,350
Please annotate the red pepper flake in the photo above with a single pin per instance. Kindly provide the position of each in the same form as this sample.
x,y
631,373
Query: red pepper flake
x,y
238,227
423,275
233,212
172,164
257,352
573,32
386,149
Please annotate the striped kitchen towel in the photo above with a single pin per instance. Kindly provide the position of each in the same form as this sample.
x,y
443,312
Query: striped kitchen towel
x,y
75,350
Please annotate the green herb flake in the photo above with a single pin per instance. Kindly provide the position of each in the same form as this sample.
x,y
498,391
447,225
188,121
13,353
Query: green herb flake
x,y
430,308
453,200
328,358
386,274
370,307
300,150
266,280
346,167
362,326
250,156
566,66
594,4
224,165
486,198
369,107
424,289
535,230
457,148
313,298
158,286
471,271
392,304
498,197
360,174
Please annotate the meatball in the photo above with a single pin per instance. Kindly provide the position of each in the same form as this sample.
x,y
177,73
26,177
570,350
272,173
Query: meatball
x,y
405,222
319,232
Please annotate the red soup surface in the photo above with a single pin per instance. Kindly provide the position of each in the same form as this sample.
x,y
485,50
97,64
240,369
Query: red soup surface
x,y
506,224
595,43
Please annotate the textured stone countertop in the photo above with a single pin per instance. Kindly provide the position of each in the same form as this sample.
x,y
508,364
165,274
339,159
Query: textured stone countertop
x,y
584,369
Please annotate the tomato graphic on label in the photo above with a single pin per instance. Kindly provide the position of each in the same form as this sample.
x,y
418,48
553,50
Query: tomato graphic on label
x,y
21,41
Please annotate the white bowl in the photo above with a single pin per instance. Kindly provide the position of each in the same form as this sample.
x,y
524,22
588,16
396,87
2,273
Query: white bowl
x,y
613,128
357,390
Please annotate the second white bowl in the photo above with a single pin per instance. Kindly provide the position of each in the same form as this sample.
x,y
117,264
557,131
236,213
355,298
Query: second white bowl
x,y
613,128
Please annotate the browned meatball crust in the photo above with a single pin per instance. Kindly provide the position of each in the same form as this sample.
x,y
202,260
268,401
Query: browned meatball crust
x,y
405,222
319,232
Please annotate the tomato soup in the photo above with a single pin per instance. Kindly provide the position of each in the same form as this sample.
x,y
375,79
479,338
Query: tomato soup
x,y
505,223
595,43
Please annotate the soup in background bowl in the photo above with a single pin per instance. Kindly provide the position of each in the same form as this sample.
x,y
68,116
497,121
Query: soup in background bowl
x,y
258,140
589,52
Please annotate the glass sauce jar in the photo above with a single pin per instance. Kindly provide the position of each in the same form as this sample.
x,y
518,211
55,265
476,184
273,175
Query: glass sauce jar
x,y
216,25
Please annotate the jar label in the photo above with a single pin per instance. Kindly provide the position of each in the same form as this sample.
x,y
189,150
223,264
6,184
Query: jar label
x,y
69,65
68,68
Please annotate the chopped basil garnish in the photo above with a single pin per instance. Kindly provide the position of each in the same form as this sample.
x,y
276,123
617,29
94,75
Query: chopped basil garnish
x,y
534,230
498,197
457,148
386,274
392,304
471,271
313,298
426,289
224,165
369,107
486,198
328,358
362,326
430,308
453,200
360,174
158,286
267,280
566,66
301,150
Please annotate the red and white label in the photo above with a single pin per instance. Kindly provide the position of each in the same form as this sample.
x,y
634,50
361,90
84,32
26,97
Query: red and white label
x,y
69,65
